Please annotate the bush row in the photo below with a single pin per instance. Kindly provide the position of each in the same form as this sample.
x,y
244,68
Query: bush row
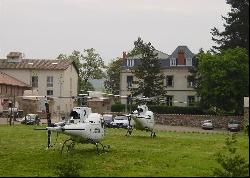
x,y
163,109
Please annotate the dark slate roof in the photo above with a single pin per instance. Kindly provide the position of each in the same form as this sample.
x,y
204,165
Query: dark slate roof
x,y
187,52
56,64
163,58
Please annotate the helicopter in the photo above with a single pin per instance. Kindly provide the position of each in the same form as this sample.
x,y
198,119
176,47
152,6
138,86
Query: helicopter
x,y
142,118
83,126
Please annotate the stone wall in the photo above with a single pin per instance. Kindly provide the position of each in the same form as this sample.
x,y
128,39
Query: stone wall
x,y
194,120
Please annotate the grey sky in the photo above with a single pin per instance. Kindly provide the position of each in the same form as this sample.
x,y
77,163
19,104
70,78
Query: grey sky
x,y
46,28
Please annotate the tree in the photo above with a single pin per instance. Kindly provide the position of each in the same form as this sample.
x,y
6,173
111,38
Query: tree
x,y
148,73
194,69
90,66
222,79
112,82
236,31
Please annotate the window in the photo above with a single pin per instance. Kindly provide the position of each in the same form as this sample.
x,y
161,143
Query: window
x,y
172,62
49,92
169,100
129,81
190,83
170,81
130,62
189,61
191,100
49,81
34,81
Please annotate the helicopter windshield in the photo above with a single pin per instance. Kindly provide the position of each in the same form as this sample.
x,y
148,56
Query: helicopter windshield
x,y
75,115
139,110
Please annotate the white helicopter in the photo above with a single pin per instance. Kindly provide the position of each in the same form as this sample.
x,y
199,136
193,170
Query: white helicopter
x,y
142,118
83,127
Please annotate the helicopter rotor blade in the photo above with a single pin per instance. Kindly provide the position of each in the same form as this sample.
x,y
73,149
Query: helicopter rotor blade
x,y
41,129
71,129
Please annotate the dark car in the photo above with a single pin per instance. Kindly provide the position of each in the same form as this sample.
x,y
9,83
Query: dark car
x,y
31,119
108,118
233,126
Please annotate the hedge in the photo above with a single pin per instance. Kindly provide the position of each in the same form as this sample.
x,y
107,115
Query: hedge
x,y
163,109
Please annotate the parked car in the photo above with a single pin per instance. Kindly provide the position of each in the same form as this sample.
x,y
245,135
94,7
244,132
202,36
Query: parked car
x,y
31,119
233,125
120,121
207,124
108,118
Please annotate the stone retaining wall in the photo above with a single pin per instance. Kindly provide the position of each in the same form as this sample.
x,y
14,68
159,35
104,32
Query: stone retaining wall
x,y
194,120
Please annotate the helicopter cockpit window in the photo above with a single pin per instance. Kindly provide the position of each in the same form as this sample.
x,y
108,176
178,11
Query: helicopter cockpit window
x,y
75,115
139,110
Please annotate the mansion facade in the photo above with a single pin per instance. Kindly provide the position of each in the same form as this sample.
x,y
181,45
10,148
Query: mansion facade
x,y
175,68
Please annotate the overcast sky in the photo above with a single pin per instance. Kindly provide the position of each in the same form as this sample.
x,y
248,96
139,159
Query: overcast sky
x,y
42,29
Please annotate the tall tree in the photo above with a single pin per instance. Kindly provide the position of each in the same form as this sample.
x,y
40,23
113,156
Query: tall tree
x,y
90,66
194,69
112,82
148,73
223,79
236,31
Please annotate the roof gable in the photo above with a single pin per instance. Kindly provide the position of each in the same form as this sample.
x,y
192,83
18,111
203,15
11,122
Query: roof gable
x,y
187,52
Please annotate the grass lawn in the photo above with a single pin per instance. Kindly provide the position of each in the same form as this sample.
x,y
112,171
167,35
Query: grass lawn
x,y
23,153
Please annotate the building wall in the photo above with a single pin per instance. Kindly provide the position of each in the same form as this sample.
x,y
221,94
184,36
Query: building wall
x,y
64,84
7,93
180,91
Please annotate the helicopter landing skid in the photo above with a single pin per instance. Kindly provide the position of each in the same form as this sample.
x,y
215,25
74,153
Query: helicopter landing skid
x,y
105,148
129,131
153,135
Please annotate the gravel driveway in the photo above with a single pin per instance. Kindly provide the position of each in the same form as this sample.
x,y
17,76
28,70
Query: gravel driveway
x,y
158,127
187,129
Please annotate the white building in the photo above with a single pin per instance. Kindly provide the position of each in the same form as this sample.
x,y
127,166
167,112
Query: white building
x,y
175,67
49,77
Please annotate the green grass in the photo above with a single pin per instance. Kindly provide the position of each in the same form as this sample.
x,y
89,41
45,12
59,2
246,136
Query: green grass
x,y
23,153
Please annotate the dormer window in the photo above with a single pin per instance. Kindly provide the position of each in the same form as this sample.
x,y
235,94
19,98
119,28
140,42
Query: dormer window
x,y
172,62
130,62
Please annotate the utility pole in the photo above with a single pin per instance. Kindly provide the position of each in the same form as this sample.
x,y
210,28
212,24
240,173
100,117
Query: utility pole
x,y
48,121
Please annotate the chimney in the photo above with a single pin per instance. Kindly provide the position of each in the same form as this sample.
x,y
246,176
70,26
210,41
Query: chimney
x,y
124,55
14,57
181,58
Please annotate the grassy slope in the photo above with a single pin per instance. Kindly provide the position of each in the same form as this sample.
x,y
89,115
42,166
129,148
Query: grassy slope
x,y
23,153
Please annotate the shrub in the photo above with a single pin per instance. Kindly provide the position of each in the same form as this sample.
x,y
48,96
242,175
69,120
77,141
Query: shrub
x,y
232,164
163,109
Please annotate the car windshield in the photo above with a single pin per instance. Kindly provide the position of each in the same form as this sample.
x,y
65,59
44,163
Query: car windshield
x,y
234,122
121,118
206,121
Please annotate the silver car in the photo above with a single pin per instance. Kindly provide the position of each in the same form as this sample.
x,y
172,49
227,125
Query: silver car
x,y
207,124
